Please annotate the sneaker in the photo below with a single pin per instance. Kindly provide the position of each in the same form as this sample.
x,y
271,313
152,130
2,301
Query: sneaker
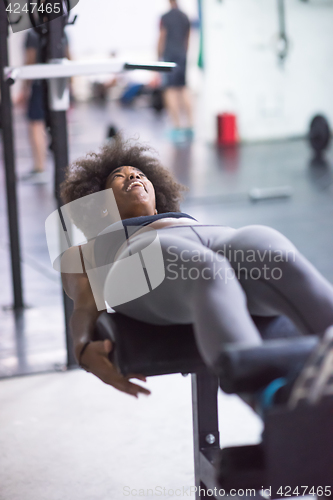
x,y
189,134
177,135
35,177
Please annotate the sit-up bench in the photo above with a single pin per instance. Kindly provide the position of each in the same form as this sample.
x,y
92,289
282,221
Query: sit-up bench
x,y
297,445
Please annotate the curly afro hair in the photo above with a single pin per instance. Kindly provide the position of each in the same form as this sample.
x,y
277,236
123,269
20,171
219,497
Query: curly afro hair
x,y
88,175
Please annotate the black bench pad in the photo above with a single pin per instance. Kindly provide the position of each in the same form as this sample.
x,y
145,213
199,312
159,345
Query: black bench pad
x,y
149,349
156,350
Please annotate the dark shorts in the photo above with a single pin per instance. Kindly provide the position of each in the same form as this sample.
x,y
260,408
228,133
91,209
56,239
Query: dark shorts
x,y
177,76
36,109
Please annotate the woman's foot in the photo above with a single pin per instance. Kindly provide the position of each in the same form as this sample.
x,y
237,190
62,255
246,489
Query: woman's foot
x,y
177,135
316,378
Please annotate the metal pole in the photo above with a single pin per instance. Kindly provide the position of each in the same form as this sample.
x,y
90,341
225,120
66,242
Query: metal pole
x,y
58,130
9,160
205,421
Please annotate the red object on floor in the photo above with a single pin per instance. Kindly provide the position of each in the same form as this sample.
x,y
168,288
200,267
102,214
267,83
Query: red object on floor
x,y
227,129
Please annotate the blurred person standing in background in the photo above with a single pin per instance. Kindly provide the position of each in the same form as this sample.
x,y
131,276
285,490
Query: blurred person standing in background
x,y
33,96
172,46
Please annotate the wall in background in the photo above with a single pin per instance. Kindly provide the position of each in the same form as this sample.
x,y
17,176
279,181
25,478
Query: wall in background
x,y
242,73
127,26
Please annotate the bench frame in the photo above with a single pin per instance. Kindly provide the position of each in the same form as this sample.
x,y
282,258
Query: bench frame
x,y
206,434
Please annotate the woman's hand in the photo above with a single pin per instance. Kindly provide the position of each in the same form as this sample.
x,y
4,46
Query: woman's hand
x,y
95,356
95,360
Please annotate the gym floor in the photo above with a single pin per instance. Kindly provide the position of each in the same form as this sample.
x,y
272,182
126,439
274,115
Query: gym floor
x,y
57,426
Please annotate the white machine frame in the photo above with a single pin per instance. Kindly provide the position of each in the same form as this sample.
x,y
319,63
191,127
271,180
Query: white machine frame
x,y
58,71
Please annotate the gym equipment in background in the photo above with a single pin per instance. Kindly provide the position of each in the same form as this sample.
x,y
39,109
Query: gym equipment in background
x,y
111,131
319,134
227,134
157,102
270,193
282,46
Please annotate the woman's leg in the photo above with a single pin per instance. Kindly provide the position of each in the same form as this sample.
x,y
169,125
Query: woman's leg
x,y
276,278
201,285
199,288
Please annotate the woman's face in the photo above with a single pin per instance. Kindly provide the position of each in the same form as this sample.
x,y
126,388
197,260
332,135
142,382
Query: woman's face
x,y
133,192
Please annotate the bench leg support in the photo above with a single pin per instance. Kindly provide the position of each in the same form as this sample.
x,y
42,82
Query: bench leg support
x,y
205,431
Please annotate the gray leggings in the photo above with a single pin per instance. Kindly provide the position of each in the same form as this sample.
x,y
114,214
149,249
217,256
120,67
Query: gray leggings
x,y
217,276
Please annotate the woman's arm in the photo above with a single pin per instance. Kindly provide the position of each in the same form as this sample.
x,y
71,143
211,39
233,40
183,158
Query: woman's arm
x,y
85,312
82,323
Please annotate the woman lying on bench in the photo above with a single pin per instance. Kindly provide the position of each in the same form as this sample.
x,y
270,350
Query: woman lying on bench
x,y
215,276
